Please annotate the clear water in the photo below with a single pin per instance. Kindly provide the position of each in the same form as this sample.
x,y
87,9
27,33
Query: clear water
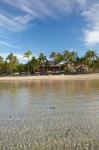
x,y
49,115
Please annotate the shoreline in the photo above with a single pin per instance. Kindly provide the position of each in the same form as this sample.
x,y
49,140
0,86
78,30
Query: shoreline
x,y
94,76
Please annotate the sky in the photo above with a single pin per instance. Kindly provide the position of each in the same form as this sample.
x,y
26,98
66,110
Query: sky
x,y
48,25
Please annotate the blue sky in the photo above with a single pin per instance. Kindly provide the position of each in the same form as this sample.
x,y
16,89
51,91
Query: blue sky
x,y
47,25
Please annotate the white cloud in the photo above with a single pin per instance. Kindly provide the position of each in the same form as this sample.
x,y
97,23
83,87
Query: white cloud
x,y
92,17
82,2
20,56
7,44
41,8
92,37
29,10
14,23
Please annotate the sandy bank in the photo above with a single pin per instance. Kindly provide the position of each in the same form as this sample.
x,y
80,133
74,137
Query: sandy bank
x,y
54,77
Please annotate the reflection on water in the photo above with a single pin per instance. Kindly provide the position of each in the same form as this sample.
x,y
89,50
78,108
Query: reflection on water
x,y
49,115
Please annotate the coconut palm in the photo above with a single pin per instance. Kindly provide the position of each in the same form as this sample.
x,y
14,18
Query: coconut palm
x,y
90,56
70,56
59,57
53,57
42,60
1,64
12,62
27,55
89,61
21,68
34,64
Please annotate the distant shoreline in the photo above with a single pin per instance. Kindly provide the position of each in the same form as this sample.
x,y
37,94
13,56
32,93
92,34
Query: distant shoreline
x,y
94,76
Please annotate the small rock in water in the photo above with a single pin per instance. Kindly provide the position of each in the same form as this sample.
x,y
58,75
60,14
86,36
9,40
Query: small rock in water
x,y
67,132
10,117
21,115
52,107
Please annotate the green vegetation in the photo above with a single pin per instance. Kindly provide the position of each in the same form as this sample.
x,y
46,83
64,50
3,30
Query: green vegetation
x,y
57,63
27,55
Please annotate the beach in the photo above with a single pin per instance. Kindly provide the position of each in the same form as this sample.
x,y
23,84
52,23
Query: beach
x,y
94,76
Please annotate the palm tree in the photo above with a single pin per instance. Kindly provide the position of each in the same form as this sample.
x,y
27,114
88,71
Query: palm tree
x,y
53,57
12,62
70,57
42,60
59,57
21,68
1,64
90,56
27,55
34,64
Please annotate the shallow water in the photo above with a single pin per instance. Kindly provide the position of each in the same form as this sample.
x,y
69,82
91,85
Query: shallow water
x,y
49,115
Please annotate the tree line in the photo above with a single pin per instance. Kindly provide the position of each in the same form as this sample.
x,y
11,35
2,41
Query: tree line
x,y
70,59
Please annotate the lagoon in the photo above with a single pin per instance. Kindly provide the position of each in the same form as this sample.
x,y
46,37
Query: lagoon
x,y
49,115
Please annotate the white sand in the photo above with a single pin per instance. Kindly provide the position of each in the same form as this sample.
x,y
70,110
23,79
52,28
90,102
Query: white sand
x,y
94,76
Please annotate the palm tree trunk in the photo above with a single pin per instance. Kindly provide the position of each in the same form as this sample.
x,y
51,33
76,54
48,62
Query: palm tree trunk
x,y
28,66
54,68
34,71
59,69
43,70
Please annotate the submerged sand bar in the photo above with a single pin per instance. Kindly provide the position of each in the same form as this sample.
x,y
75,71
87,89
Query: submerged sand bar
x,y
94,76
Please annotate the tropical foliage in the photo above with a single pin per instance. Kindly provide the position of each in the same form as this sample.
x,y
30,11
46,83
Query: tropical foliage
x,y
27,55
66,62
